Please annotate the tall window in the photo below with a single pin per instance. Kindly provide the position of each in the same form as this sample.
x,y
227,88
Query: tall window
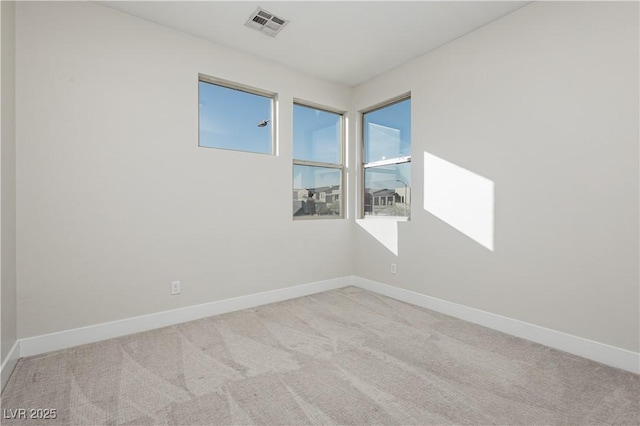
x,y
387,160
317,162
235,117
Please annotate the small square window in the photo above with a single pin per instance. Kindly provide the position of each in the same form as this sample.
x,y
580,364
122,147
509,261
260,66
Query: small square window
x,y
316,191
316,135
387,186
234,117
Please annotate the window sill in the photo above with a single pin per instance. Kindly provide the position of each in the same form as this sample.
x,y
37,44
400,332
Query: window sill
x,y
326,217
394,218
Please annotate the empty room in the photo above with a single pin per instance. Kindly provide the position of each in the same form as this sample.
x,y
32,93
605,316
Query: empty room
x,y
292,213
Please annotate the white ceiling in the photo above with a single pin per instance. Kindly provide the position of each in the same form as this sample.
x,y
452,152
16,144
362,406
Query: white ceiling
x,y
344,42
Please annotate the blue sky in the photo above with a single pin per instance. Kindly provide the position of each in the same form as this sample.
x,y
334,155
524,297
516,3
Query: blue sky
x,y
387,133
229,118
396,118
316,135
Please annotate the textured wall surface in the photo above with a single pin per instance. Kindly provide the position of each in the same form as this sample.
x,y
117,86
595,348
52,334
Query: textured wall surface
x,y
116,198
8,290
544,103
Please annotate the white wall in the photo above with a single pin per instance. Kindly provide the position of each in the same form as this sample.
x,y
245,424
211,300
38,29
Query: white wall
x,y
116,199
8,316
544,103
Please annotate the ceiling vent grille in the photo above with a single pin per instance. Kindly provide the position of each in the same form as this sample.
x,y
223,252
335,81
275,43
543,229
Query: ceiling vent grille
x,y
266,22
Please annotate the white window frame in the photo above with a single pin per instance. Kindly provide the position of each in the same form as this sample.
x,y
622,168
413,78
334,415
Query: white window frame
x,y
337,166
385,162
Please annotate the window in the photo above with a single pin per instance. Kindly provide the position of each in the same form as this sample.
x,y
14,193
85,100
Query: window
x,y
317,162
387,160
235,117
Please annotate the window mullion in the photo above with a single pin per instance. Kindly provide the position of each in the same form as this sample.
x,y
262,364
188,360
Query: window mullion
x,y
317,164
399,160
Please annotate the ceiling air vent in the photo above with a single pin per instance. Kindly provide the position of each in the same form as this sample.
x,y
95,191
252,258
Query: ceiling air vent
x,y
265,22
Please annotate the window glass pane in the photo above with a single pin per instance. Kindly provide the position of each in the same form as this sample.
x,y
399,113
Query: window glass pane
x,y
316,191
387,190
387,132
229,119
316,135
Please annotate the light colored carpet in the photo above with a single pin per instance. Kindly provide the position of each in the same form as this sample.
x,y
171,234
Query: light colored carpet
x,y
346,356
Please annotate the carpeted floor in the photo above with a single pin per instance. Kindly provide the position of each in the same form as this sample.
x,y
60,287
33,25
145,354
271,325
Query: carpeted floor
x,y
346,356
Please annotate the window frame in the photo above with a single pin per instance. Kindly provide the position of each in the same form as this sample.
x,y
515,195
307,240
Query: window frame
x,y
390,161
338,166
273,96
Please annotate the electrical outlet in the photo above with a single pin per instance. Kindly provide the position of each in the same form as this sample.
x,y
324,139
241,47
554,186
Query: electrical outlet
x,y
393,268
175,287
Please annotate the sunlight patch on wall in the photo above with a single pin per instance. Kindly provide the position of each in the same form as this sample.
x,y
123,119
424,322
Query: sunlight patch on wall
x,y
382,229
459,197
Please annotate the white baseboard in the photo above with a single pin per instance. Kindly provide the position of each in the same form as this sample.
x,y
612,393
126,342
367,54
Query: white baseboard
x,y
9,364
606,354
596,351
94,333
